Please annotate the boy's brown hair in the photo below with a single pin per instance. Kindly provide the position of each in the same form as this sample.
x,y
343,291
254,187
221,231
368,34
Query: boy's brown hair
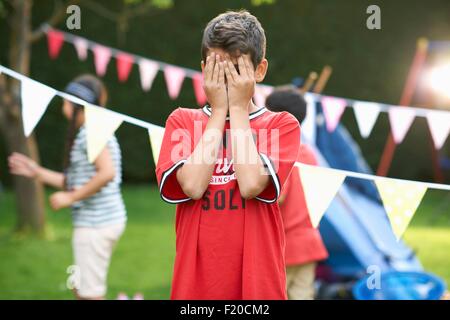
x,y
236,32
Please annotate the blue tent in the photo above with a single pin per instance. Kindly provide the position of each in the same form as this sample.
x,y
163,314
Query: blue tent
x,y
355,228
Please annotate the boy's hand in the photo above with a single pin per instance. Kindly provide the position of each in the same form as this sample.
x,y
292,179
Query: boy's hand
x,y
214,83
61,199
241,86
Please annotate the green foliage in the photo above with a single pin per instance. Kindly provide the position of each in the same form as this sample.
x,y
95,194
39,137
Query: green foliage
x,y
162,4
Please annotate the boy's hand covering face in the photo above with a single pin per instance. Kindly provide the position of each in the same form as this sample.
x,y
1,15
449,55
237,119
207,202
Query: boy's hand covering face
x,y
214,83
241,86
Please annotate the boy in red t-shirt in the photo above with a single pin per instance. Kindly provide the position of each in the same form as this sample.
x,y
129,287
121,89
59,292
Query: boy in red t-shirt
x,y
304,246
224,166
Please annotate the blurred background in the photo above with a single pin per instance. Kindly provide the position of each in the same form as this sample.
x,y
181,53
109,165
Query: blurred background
x,y
302,36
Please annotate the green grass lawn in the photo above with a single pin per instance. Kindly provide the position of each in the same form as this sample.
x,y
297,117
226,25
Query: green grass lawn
x,y
32,268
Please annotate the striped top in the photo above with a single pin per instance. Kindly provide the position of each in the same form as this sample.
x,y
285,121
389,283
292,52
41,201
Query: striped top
x,y
106,207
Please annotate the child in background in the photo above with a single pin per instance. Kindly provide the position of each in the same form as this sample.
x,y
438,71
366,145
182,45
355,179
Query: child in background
x,y
304,246
224,166
91,189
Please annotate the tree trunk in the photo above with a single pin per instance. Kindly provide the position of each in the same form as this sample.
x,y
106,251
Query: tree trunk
x,y
29,193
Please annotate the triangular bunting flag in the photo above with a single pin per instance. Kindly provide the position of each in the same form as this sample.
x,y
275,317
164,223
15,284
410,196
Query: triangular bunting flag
x,y
156,135
400,119
148,70
197,82
100,127
400,200
101,59
320,186
439,124
366,114
35,100
81,46
124,64
261,93
333,108
174,79
55,41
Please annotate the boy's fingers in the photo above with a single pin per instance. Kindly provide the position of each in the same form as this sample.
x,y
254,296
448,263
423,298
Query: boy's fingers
x,y
215,76
227,72
208,68
221,73
249,66
242,67
232,70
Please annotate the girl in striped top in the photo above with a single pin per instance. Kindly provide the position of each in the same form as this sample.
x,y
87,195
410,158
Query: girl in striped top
x,y
92,190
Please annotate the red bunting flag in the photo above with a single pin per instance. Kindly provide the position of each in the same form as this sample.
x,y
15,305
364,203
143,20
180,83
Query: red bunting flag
x,y
55,41
124,64
197,82
174,79
101,59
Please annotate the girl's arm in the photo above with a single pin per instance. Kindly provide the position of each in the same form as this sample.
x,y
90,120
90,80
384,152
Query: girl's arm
x,y
105,173
22,165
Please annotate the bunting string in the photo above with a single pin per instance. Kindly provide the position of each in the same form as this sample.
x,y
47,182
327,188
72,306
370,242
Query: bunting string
x,y
366,113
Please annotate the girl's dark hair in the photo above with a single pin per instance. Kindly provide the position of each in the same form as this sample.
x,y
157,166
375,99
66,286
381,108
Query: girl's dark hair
x,y
288,98
88,88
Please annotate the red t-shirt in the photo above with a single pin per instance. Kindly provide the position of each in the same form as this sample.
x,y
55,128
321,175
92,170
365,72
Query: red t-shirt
x,y
303,241
228,247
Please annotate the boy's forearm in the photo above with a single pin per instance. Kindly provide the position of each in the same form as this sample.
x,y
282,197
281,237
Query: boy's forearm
x,y
50,177
194,176
248,165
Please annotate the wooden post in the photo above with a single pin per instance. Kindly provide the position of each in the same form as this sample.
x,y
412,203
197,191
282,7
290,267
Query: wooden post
x,y
312,77
406,98
323,79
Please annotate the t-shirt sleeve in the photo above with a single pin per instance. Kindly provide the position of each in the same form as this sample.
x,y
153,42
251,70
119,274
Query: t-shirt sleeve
x,y
175,149
279,153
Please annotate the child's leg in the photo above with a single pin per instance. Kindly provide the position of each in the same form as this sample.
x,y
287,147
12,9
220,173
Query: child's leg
x,y
300,281
92,249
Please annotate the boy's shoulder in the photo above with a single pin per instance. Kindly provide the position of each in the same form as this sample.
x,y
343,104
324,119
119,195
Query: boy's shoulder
x,y
187,113
280,118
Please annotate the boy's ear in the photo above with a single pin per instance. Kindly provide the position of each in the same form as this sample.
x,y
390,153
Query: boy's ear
x,y
202,65
261,70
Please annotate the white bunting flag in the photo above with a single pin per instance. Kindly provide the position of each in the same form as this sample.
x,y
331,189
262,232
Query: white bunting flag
x,y
320,186
400,119
100,127
148,70
174,77
439,124
35,100
400,200
309,124
156,135
366,114
81,46
333,108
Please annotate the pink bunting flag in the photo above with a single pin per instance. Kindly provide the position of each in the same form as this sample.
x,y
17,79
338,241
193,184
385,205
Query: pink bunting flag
x,y
400,119
174,79
81,46
124,64
197,82
148,70
333,108
261,93
55,41
102,55
439,124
